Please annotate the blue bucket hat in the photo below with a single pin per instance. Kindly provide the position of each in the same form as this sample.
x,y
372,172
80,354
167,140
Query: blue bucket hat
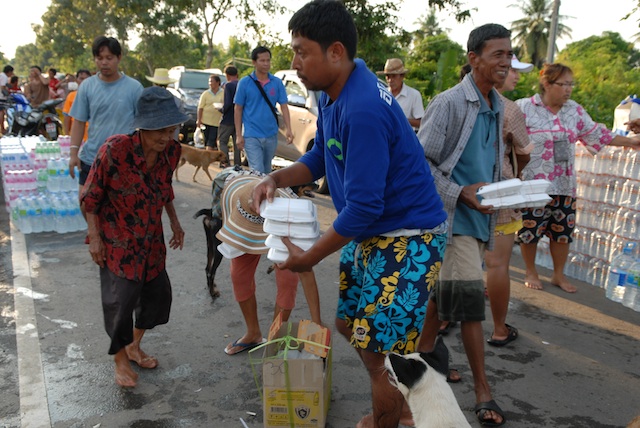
x,y
157,109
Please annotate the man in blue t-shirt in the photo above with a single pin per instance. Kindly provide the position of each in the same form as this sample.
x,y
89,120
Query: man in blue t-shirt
x,y
107,101
391,221
255,108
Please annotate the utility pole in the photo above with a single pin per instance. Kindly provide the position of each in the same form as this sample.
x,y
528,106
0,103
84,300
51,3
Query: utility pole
x,y
551,49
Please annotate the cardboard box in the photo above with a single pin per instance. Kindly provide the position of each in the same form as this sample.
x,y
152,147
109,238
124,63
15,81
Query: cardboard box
x,y
296,392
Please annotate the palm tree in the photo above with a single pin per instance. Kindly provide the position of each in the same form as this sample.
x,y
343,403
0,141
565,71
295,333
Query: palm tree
x,y
531,33
429,25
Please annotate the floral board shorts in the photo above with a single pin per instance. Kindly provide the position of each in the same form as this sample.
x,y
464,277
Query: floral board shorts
x,y
384,289
557,220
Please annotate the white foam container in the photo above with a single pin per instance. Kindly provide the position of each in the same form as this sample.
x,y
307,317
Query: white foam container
x,y
531,187
536,200
277,256
289,210
501,188
294,230
274,241
504,201
228,251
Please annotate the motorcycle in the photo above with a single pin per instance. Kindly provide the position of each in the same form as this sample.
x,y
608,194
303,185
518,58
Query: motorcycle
x,y
23,120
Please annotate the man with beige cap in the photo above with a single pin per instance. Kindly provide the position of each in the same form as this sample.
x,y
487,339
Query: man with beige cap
x,y
410,99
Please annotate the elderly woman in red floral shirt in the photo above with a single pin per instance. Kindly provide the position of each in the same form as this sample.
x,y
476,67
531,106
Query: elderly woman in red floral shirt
x,y
127,189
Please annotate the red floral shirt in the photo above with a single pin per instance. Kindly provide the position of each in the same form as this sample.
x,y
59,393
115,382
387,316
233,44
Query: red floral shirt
x,y
128,199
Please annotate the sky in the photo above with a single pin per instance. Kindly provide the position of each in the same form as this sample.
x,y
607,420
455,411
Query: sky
x,y
585,21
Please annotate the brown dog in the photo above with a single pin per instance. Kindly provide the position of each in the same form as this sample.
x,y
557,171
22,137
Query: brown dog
x,y
200,158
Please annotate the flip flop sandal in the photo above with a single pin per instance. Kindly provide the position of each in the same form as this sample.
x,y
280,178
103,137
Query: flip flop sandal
x,y
481,410
243,346
513,335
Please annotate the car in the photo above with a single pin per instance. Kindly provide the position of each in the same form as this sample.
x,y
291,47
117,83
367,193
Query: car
x,y
190,84
303,109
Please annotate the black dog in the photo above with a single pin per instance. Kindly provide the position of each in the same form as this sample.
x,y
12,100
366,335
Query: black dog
x,y
212,226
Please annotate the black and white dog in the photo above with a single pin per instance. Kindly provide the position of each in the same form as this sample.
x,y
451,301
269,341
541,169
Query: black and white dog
x,y
422,378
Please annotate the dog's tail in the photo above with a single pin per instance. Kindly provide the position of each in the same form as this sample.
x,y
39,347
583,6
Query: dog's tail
x,y
205,211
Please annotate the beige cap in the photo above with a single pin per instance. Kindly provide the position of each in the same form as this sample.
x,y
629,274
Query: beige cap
x,y
393,66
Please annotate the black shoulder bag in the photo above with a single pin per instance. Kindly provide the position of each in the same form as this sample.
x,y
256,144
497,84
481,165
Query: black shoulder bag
x,y
264,95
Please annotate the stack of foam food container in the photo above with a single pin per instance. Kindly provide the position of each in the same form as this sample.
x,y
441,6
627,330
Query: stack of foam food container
x,y
515,194
39,193
293,218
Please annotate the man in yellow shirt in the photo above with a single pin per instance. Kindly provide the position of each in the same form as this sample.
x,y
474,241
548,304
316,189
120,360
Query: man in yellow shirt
x,y
210,112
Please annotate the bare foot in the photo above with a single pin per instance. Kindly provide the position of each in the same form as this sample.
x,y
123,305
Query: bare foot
x,y
564,284
365,422
125,376
139,357
533,282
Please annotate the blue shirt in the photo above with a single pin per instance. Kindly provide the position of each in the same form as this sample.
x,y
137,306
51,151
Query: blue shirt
x,y
109,108
257,116
476,165
375,166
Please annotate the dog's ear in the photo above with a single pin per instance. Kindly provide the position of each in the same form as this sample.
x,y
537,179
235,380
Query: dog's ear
x,y
408,371
439,357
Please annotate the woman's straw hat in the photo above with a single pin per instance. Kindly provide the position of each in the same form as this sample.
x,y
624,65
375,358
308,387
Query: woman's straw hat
x,y
241,226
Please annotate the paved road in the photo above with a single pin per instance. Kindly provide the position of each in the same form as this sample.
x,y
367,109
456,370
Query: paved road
x,y
576,363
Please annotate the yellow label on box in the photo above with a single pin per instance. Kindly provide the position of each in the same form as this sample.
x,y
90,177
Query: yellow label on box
x,y
305,405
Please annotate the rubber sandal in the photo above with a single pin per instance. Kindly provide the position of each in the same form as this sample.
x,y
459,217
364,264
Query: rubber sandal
x,y
513,335
481,410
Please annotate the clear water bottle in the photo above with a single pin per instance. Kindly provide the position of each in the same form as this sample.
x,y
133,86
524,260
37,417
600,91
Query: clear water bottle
x,y
618,272
631,287
48,220
24,221
35,212
53,184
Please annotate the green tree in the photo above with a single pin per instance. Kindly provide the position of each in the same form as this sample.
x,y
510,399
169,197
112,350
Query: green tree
x,y
434,64
605,70
379,36
28,56
209,13
531,33
428,25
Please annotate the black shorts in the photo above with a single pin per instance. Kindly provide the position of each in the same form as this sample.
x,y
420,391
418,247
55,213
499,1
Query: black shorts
x,y
121,298
557,220
84,173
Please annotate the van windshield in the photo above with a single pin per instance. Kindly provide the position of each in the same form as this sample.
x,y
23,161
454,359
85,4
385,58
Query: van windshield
x,y
191,80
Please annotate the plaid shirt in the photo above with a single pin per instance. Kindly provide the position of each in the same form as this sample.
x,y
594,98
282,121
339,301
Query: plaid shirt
x,y
128,199
444,132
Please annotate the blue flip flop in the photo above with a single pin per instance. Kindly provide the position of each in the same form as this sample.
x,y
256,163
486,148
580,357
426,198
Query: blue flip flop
x,y
243,346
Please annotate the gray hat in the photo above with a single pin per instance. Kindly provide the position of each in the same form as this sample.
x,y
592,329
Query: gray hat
x,y
157,109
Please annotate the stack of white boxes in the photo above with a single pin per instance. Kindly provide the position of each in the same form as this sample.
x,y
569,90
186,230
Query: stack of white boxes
x,y
515,193
293,218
